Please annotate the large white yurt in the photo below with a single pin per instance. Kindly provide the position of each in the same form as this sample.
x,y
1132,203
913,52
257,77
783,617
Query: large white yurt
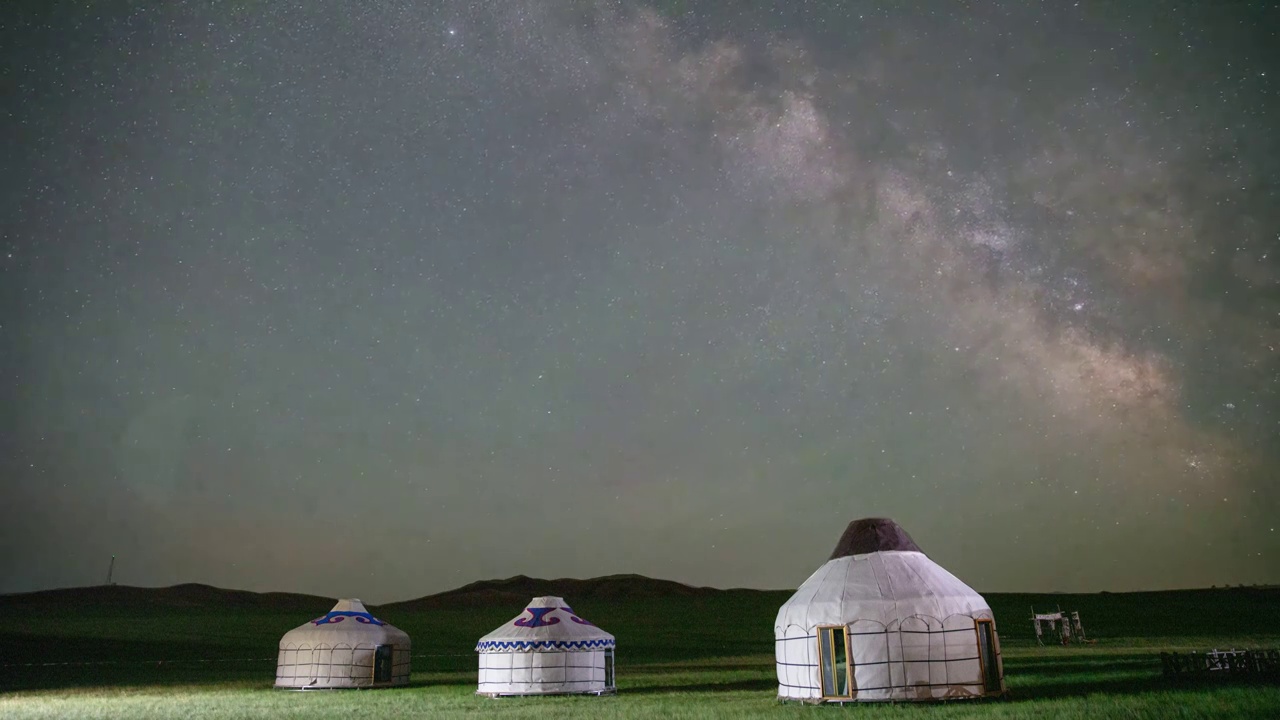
x,y
345,648
881,621
546,650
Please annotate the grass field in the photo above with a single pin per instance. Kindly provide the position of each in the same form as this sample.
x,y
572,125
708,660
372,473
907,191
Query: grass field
x,y
201,653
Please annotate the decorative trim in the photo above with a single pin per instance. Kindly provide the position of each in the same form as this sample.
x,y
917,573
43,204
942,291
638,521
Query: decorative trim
x,y
542,645
338,616
539,618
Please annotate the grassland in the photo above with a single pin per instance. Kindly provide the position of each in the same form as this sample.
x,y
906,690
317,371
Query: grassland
x,y
200,653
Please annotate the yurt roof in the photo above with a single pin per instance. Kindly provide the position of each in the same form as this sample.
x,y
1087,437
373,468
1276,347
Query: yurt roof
x,y
348,621
547,624
870,535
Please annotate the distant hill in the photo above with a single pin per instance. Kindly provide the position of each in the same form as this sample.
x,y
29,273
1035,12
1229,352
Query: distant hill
x,y
485,593
1011,608
186,596
519,589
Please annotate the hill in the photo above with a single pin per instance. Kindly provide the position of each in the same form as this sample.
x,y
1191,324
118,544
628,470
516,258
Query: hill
x,y
516,590
492,600
481,594
188,596
1219,610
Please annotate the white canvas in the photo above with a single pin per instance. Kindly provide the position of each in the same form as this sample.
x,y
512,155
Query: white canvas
x,y
912,630
337,650
545,650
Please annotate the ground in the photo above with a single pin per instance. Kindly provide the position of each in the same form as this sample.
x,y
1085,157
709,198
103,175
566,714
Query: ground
x,y
197,652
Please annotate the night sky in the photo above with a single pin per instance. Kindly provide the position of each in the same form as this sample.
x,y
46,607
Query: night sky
x,y
381,298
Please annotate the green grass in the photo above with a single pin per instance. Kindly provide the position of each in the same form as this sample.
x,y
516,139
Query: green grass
x,y
700,657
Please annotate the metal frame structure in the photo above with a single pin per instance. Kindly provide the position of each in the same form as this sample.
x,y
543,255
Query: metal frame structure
x,y
1065,625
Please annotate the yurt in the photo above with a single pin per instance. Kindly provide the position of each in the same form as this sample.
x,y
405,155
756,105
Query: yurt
x,y
345,648
546,650
881,621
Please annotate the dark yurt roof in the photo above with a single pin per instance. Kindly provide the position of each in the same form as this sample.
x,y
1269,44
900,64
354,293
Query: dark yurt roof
x,y
870,535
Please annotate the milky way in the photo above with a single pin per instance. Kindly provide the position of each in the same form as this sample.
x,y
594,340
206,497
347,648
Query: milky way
x,y
388,299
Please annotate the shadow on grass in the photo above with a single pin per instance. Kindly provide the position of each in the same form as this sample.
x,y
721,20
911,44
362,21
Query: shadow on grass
x,y
36,663
170,676
27,648
696,667
1128,686
1074,666
735,686
42,663
100,679
1078,688
443,682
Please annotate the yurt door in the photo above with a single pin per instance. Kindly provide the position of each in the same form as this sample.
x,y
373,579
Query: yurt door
x,y
382,663
987,654
833,660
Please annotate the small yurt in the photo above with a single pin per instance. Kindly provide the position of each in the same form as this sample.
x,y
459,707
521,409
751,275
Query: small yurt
x,y
546,650
881,621
345,648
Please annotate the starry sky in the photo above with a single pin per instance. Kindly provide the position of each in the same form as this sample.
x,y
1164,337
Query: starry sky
x,y
381,298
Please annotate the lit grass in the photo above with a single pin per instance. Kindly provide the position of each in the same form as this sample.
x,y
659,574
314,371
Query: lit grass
x,y
1108,685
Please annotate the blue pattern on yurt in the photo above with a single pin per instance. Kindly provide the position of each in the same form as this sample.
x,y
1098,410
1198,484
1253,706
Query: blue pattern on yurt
x,y
338,616
525,645
539,618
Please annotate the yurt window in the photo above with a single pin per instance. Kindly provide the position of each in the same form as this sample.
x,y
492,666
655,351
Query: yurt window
x,y
987,654
833,655
382,663
608,668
